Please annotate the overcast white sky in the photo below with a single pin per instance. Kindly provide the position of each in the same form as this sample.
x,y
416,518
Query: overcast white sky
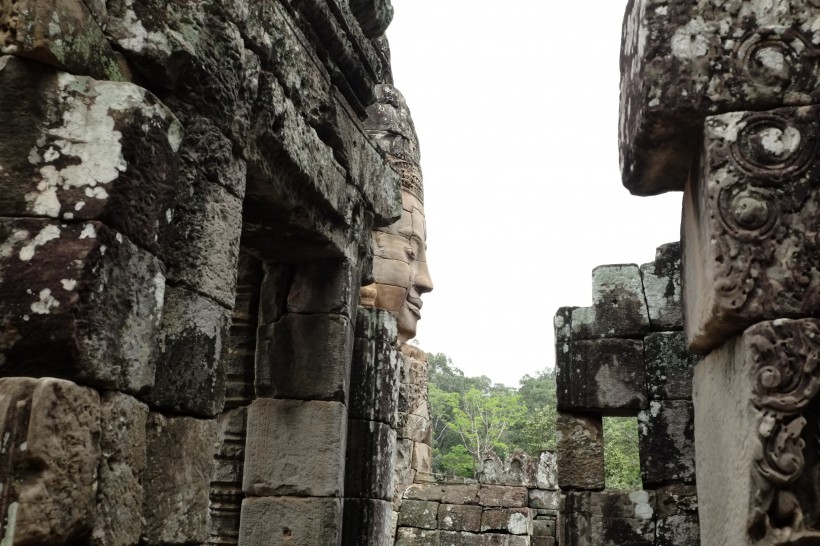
x,y
516,107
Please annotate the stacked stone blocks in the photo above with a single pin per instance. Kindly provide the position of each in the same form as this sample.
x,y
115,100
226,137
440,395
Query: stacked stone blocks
x,y
626,356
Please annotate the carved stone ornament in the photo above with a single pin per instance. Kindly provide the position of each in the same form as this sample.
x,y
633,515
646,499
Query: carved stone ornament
x,y
751,224
785,378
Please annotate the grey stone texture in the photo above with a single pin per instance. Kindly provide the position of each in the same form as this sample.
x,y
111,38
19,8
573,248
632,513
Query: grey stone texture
x,y
749,216
502,496
179,451
282,459
420,514
669,366
305,357
324,286
367,522
666,436
677,511
123,459
755,398
374,16
79,301
662,288
457,517
49,458
515,521
683,62
371,448
605,375
291,520
580,451
375,371
618,305
93,154
193,345
225,493
607,517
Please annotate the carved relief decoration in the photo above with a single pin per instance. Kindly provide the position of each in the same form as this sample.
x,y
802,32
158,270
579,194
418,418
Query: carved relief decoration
x,y
785,373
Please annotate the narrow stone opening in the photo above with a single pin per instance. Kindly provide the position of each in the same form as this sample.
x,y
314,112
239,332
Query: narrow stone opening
x,y
622,465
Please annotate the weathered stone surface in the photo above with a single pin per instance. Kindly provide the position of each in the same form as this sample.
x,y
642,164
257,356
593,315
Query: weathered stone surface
x,y
562,323
455,517
415,427
291,520
435,492
101,150
190,376
305,357
200,232
403,463
411,536
367,522
375,371
122,465
542,541
422,458
749,219
505,497
546,474
618,305
413,384
371,448
493,539
755,398
667,443
295,448
580,451
682,62
681,530
78,301
63,35
544,527
225,494
662,288
669,366
611,517
605,375
547,500
180,451
519,469
324,286
373,15
419,514
49,460
516,521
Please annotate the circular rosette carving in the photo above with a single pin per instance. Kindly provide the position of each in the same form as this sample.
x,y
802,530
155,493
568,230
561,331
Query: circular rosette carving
x,y
781,461
778,59
770,147
786,375
748,213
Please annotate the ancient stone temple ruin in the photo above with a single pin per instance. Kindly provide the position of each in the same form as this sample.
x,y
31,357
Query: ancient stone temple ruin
x,y
212,255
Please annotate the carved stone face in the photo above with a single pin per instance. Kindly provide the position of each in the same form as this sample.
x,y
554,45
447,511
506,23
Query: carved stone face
x,y
400,266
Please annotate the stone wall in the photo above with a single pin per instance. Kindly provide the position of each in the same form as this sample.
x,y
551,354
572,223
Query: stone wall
x,y
188,194
626,356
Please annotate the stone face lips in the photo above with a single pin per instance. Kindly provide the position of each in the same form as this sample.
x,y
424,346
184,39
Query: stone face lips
x,y
78,301
85,149
683,61
750,222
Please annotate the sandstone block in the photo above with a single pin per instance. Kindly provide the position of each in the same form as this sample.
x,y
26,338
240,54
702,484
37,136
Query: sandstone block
x,y
367,522
375,371
122,466
515,521
546,474
94,155
618,305
519,469
680,63
200,232
667,443
459,538
415,427
49,459
374,16
403,463
580,451
291,520
371,448
543,527
79,301
325,286
411,536
546,500
225,494
419,514
434,492
679,530
64,35
305,357
413,396
180,453
749,216
562,323
542,541
493,539
422,458
455,517
295,448
757,395
662,287
190,376
605,375
676,499
502,496
669,366
611,517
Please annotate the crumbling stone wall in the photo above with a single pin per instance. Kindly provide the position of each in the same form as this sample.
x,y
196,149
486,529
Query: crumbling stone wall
x,y
626,355
188,194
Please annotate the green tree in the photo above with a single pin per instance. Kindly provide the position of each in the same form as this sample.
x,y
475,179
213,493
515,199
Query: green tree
x,y
536,432
621,457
